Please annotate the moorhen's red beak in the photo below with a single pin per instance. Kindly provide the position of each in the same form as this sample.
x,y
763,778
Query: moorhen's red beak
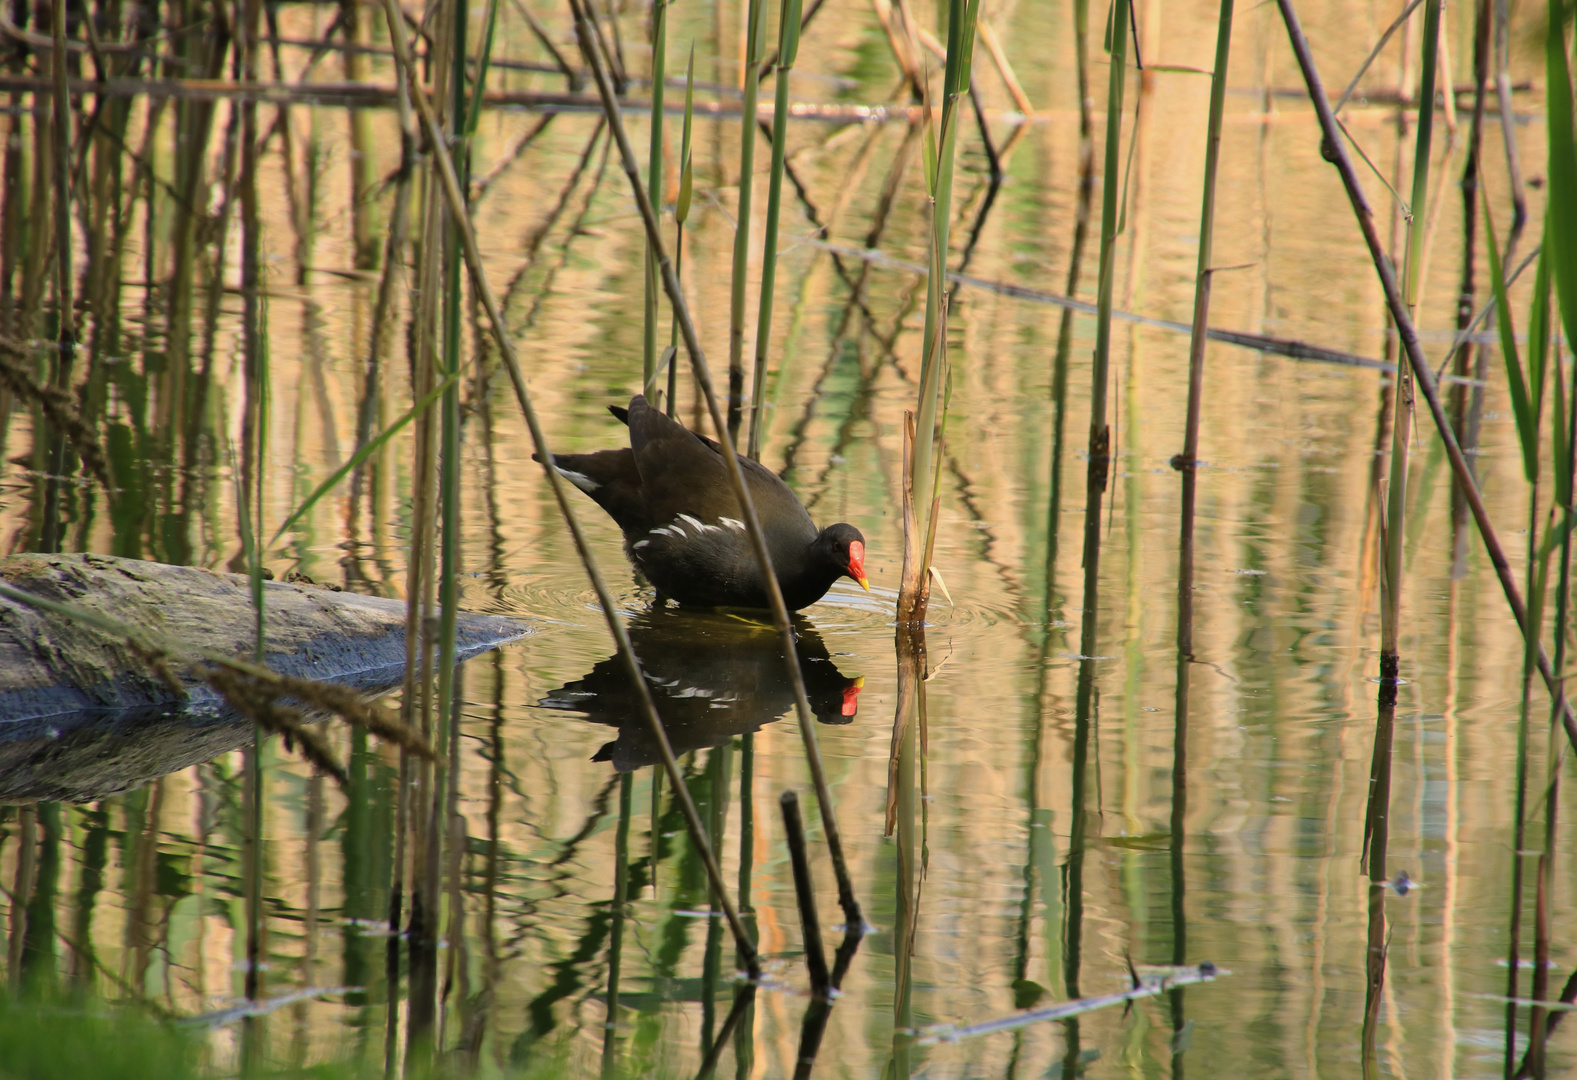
x,y
857,569
851,697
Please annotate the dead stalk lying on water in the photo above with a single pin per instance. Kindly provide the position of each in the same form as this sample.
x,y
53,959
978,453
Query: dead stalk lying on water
x,y
736,477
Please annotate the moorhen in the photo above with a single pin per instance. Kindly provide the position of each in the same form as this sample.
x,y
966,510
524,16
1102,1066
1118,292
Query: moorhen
x,y
670,494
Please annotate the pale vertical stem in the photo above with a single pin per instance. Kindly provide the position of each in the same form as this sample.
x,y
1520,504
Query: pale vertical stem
x,y
1508,127
654,184
955,84
747,166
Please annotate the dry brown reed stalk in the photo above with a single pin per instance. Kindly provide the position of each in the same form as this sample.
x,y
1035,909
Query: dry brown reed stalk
x,y
449,183
703,377
1336,147
65,301
57,407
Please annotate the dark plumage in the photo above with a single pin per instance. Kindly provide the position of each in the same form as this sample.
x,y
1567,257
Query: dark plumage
x,y
683,529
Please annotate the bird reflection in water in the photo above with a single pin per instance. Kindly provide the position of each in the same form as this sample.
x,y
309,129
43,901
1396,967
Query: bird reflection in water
x,y
713,675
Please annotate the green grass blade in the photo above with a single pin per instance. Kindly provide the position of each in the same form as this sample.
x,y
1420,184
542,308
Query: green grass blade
x,y
371,447
1538,366
1521,403
484,60
682,209
1562,212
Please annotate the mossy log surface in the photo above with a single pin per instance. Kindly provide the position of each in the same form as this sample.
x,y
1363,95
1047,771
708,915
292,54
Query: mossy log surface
x,y
51,664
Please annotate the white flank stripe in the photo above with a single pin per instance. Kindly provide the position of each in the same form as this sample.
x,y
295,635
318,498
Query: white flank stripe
x,y
733,523
700,527
641,543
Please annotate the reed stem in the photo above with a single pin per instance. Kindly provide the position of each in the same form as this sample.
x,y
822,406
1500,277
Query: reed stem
x,y
1207,218
933,342
1111,188
654,184
788,50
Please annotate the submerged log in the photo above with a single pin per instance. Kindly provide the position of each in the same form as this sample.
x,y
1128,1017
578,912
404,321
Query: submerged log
x,y
51,664
81,715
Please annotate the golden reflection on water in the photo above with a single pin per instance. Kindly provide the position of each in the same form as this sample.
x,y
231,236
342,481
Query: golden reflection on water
x,y
1285,635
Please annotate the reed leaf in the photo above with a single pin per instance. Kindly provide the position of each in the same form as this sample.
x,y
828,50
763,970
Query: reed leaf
x,y
372,446
1561,231
1522,405
1538,367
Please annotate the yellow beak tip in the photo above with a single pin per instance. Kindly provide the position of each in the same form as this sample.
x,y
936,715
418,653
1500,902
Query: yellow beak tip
x,y
864,584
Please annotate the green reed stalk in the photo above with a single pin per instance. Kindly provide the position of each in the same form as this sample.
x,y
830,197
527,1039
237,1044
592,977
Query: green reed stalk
x,y
788,49
1100,434
1560,245
654,186
1207,219
1402,417
1525,388
755,32
939,185
681,215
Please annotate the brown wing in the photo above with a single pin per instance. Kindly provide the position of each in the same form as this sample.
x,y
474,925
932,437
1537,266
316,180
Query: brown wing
x,y
684,473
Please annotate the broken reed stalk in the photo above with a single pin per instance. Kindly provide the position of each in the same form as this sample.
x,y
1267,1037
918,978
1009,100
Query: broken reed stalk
x,y
933,342
654,184
788,50
473,258
756,29
1336,149
805,894
703,376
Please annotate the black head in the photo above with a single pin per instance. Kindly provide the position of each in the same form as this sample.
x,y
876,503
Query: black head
x,y
843,546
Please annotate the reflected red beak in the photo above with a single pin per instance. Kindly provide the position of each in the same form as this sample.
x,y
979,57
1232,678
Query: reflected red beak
x,y
857,571
851,697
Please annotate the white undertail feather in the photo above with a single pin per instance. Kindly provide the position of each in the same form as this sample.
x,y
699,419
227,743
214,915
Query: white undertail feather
x,y
580,480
